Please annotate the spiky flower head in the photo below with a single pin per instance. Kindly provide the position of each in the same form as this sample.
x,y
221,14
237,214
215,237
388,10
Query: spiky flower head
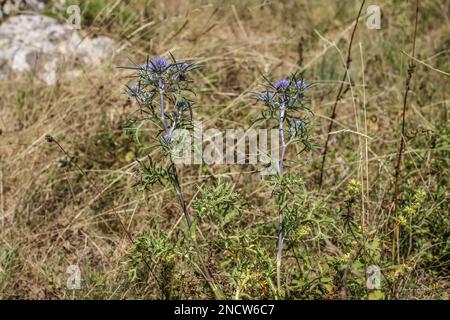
x,y
162,92
302,85
158,64
183,66
266,97
282,84
167,75
286,97
134,90
183,105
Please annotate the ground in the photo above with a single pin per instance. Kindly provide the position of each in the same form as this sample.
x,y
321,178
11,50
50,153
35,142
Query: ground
x,y
54,216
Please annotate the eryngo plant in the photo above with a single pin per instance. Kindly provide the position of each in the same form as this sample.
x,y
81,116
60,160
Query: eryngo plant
x,y
284,101
161,90
219,203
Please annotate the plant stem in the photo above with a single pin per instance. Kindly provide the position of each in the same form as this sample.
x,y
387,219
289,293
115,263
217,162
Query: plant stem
x,y
176,182
177,186
339,96
280,212
283,143
405,109
411,67
161,104
206,273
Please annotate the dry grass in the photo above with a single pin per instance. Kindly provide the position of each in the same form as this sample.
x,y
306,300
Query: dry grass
x,y
51,217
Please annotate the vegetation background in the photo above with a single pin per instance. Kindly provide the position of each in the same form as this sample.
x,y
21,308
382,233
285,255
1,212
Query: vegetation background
x,y
52,216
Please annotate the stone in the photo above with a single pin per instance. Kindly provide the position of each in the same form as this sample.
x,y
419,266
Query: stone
x,y
42,45
9,7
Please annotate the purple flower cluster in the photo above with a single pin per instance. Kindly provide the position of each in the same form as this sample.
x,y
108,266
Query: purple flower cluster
x,y
282,84
286,93
162,92
157,64
284,100
160,74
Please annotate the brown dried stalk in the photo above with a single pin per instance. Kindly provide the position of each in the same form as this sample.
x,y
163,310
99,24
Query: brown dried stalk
x,y
401,149
339,95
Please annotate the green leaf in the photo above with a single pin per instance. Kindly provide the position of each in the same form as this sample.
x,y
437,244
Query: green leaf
x,y
376,295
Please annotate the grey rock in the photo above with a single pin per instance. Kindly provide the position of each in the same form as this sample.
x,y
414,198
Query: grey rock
x,y
9,7
40,44
35,5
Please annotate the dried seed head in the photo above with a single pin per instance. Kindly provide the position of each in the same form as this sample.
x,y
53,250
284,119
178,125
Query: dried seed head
x,y
49,138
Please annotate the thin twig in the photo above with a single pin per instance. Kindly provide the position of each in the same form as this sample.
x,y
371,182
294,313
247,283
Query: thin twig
x,y
405,109
2,201
426,64
401,149
339,95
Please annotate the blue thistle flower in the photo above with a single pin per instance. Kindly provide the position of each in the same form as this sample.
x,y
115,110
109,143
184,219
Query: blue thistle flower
x,y
266,97
134,90
182,66
182,106
180,69
282,84
157,64
302,85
